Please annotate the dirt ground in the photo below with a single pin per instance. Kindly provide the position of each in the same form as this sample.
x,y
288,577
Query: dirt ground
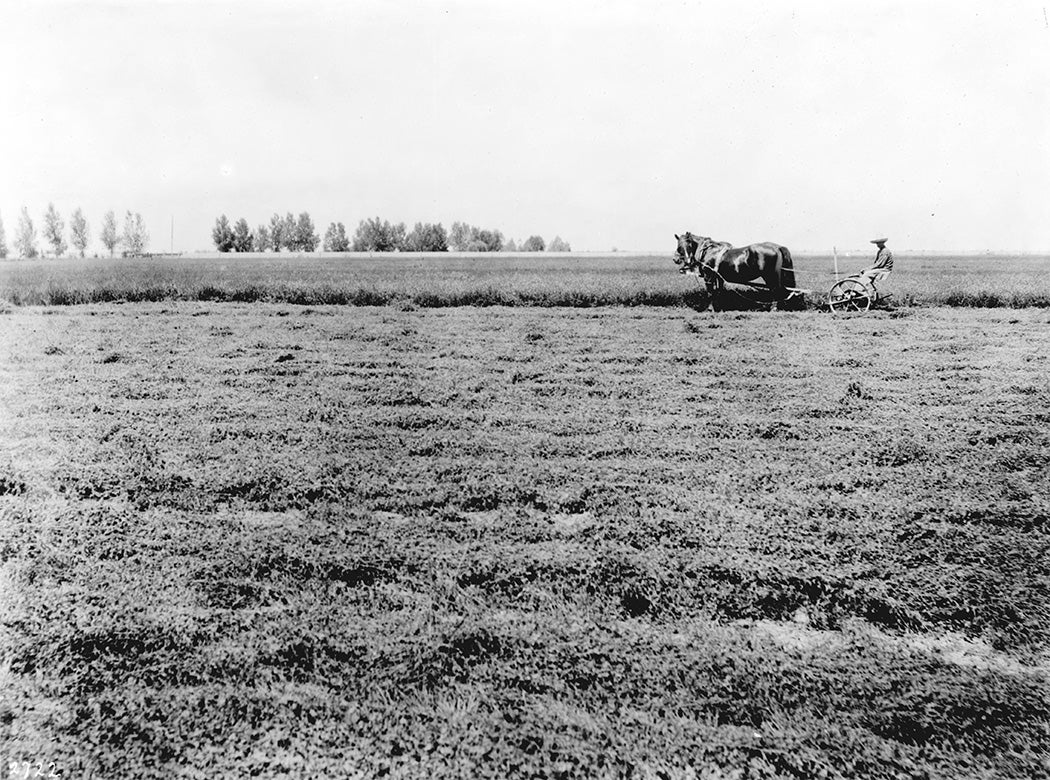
x,y
464,542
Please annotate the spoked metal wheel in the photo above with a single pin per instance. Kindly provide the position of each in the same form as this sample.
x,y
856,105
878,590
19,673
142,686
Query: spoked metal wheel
x,y
850,295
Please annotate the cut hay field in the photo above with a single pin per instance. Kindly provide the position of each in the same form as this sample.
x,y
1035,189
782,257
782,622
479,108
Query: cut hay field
x,y
494,279
352,541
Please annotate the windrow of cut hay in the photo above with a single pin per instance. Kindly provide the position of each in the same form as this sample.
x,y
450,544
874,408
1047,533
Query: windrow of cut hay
x,y
328,295
429,282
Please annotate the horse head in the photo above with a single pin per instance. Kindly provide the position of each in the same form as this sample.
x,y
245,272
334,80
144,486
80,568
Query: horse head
x,y
685,253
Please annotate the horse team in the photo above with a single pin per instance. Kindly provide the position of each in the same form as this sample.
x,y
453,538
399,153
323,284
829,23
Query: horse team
x,y
720,262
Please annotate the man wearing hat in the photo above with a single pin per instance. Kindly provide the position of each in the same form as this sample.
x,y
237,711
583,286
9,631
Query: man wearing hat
x,y
883,264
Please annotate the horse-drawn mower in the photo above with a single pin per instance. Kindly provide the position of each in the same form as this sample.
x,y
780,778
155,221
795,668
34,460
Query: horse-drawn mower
x,y
747,295
735,270
856,293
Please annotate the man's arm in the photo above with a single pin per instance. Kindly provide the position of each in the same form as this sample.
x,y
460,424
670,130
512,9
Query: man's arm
x,y
884,259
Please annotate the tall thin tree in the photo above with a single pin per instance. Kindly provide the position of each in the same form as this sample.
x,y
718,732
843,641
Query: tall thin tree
x,y
78,229
54,230
141,234
222,234
290,235
261,239
135,237
277,237
109,236
25,239
242,236
306,238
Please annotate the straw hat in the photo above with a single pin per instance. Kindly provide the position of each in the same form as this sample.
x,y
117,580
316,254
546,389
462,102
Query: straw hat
x,y
879,240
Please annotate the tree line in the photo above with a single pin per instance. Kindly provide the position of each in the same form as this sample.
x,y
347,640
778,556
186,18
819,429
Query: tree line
x,y
133,240
295,234
298,234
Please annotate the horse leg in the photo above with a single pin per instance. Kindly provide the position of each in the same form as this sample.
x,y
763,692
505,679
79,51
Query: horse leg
x,y
773,280
714,289
785,277
713,301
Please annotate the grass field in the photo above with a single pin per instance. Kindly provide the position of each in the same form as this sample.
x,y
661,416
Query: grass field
x,y
577,281
530,542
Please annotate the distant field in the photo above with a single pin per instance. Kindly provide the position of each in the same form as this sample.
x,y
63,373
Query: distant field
x,y
336,541
585,280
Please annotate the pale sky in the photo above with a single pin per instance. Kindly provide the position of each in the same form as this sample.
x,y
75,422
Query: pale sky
x,y
612,124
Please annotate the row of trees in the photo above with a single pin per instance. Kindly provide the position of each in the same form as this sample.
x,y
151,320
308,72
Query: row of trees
x,y
536,244
468,238
133,240
372,235
287,232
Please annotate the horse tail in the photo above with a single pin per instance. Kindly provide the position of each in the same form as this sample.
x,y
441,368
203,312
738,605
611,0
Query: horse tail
x,y
787,268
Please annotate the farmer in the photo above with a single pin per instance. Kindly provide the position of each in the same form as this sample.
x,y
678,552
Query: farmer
x,y
883,264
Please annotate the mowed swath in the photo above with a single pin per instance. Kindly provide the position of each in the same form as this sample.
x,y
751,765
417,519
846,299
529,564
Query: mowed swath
x,y
507,542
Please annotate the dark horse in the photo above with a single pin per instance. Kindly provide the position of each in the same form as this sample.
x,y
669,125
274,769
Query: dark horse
x,y
720,262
